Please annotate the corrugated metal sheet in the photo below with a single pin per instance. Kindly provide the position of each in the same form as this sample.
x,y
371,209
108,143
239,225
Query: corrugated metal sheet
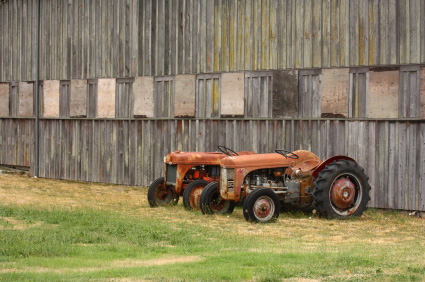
x,y
124,38
130,152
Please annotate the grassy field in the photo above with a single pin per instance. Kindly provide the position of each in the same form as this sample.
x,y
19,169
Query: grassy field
x,y
66,231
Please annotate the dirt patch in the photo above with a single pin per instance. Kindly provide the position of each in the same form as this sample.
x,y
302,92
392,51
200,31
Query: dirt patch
x,y
127,263
156,262
18,224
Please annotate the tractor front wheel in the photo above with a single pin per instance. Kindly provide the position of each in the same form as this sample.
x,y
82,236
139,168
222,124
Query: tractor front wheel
x,y
160,194
192,194
261,205
341,190
211,201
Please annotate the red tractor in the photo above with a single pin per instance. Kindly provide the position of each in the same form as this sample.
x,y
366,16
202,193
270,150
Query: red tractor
x,y
336,188
186,174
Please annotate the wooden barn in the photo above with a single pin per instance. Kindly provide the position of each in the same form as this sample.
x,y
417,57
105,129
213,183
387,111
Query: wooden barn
x,y
101,90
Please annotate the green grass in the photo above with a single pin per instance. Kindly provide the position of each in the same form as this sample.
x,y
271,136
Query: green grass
x,y
97,241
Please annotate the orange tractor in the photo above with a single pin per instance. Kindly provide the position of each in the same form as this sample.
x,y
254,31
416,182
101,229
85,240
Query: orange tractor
x,y
336,188
186,174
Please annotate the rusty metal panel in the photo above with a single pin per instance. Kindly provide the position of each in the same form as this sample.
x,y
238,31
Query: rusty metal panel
x,y
4,99
383,94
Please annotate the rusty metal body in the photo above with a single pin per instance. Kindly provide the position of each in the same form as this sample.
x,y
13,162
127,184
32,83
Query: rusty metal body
x,y
337,187
181,168
239,168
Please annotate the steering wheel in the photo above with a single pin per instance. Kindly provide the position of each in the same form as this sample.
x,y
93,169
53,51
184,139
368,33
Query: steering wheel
x,y
226,150
286,154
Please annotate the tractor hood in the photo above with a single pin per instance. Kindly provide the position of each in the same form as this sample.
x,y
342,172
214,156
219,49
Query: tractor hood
x,y
273,160
198,158
258,161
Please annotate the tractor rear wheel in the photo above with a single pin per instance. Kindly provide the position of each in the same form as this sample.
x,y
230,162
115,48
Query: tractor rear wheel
x,y
261,205
192,194
160,194
341,190
211,201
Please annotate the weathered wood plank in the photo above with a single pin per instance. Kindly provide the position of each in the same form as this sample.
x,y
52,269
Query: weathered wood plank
x,y
280,19
421,168
225,36
326,33
354,32
374,48
265,35
415,33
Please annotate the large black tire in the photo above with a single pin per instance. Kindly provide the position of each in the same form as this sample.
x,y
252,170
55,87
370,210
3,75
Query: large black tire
x,y
211,201
341,190
161,195
192,194
261,205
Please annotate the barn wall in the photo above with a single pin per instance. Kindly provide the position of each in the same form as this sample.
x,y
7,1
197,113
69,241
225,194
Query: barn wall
x,y
130,152
128,38
127,58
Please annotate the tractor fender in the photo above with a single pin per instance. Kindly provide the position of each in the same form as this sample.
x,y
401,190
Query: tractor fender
x,y
328,161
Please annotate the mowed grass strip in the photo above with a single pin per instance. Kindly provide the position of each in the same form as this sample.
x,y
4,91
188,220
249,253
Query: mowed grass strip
x,y
54,230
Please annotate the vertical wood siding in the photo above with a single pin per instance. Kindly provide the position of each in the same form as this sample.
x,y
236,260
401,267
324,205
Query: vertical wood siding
x,y
127,38
208,93
131,152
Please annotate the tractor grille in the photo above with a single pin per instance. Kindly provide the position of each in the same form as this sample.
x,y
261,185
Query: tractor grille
x,y
171,174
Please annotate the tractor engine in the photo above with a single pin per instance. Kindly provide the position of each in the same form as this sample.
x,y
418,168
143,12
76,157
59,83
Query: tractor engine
x,y
287,187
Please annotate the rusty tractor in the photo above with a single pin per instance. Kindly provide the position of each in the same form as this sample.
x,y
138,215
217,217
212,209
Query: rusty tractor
x,y
335,188
186,174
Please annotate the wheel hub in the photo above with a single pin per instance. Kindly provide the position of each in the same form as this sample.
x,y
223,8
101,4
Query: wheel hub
x,y
217,203
262,208
195,197
343,193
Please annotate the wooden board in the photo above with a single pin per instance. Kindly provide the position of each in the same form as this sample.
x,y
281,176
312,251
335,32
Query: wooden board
x,y
106,98
26,99
143,96
335,91
51,98
184,99
78,106
4,99
232,94
383,94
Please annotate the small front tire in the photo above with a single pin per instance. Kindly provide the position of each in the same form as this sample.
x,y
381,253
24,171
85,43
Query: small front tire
x,y
211,201
261,205
160,194
192,194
